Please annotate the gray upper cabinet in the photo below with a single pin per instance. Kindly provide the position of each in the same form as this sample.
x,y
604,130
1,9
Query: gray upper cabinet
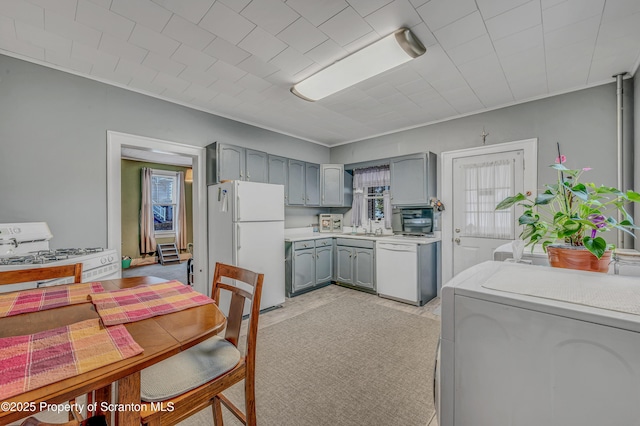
x,y
413,179
335,186
296,183
278,173
312,184
229,162
256,166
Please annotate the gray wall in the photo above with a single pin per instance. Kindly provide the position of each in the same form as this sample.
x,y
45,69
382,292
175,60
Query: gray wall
x,y
584,123
53,145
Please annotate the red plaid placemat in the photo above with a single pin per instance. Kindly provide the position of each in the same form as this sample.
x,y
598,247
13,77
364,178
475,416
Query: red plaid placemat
x,y
146,301
35,360
40,299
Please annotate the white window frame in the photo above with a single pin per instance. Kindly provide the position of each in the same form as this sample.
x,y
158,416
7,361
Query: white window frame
x,y
370,197
174,197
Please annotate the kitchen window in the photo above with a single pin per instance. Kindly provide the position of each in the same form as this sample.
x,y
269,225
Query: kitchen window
x,y
164,199
375,201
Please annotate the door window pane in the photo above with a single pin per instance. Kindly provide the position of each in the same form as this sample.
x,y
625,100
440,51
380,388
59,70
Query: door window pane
x,y
163,197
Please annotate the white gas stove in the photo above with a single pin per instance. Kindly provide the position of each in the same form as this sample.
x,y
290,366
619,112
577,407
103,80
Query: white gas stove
x,y
26,245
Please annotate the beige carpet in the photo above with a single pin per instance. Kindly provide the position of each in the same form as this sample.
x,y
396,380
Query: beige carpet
x,y
350,362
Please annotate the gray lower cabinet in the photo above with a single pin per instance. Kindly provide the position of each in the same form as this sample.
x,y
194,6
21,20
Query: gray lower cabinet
x,y
308,265
355,263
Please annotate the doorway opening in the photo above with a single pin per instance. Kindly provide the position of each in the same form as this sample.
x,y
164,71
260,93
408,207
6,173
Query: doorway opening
x,y
121,145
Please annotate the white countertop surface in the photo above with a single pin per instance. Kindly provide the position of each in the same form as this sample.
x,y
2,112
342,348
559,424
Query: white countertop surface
x,y
302,236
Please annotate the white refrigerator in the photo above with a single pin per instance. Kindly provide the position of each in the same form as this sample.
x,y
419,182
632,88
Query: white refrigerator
x,y
246,229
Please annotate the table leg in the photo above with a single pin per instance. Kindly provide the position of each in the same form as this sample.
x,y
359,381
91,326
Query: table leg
x,y
103,395
128,393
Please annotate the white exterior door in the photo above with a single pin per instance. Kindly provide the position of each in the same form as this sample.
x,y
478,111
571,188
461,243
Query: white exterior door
x,y
474,181
480,182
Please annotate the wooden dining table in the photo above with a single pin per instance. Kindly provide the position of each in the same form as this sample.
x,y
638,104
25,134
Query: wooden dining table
x,y
160,337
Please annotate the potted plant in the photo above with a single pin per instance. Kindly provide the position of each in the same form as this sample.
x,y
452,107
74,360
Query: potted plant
x,y
569,217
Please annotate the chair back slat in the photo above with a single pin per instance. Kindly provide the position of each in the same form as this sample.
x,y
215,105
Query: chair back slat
x,y
41,274
239,297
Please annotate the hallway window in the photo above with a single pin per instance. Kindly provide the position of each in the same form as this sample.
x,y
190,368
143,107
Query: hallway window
x,y
164,199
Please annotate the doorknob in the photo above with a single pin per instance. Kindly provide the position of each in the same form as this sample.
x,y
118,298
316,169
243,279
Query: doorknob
x,y
457,240
457,230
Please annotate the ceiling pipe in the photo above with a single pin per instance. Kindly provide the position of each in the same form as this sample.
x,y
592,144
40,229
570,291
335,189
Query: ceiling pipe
x,y
619,95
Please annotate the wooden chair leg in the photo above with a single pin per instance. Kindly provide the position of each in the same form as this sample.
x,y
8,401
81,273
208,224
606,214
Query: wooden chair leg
x,y
216,408
250,404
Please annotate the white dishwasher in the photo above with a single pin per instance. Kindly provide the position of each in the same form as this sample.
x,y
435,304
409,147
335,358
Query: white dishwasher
x,y
407,272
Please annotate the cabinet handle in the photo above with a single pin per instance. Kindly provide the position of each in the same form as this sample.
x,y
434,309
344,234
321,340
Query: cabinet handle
x,y
350,255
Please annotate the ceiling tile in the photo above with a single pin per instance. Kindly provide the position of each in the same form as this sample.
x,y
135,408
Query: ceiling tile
x,y
522,64
515,20
7,27
627,26
230,53
136,71
227,72
66,8
236,5
198,76
396,14
614,10
440,13
188,33
291,61
418,3
345,27
105,4
22,48
192,57
224,22
271,15
42,38
96,57
491,8
250,81
474,49
171,82
582,31
153,41
23,12
63,60
524,40
302,36
461,31
531,86
546,4
223,86
422,32
494,93
104,20
326,53
68,28
192,10
316,11
362,42
163,64
570,12
262,44
144,12
366,7
568,72
118,47
462,99
602,64
111,76
257,66
200,92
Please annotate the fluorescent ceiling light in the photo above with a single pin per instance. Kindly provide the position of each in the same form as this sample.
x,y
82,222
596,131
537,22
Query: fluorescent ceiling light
x,y
395,49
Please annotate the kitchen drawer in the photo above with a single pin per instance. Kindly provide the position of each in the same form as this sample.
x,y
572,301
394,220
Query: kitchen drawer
x,y
324,242
354,242
301,245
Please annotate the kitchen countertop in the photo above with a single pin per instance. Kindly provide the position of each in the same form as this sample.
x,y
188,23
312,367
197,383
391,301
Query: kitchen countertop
x,y
387,237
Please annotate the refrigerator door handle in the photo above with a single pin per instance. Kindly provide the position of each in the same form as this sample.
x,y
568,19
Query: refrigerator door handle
x,y
238,203
238,245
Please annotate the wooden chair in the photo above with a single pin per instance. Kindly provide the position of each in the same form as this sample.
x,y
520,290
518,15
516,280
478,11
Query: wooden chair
x,y
40,274
194,379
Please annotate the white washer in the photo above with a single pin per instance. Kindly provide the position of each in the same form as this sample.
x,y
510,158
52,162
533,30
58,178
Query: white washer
x,y
518,359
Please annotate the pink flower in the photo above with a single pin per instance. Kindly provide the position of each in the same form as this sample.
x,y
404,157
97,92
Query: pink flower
x,y
562,159
586,169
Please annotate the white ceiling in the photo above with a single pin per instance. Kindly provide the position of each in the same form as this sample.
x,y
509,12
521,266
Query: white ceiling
x,y
238,58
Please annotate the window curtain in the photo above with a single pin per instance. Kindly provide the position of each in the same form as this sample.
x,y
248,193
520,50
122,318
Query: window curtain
x,y
363,179
486,184
147,238
181,228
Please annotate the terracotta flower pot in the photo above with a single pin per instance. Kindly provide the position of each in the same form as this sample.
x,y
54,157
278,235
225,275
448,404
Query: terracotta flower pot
x,y
578,258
